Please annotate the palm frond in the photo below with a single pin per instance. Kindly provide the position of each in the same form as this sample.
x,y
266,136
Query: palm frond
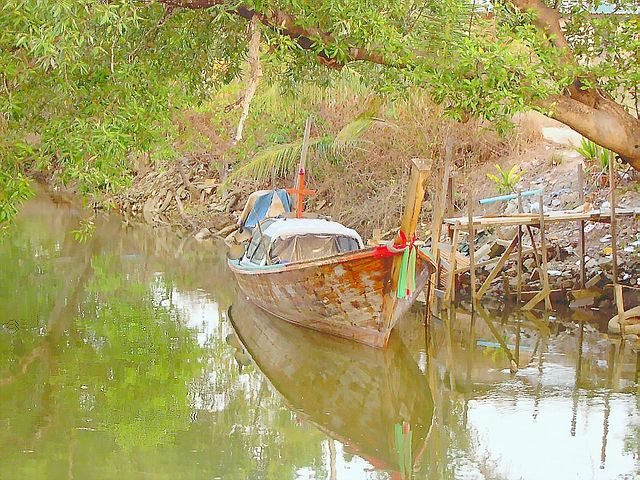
x,y
276,160
281,160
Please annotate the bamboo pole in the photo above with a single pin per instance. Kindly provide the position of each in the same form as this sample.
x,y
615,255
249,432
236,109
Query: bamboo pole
x,y
543,250
519,267
303,158
451,281
450,193
582,244
437,215
620,306
614,230
496,270
472,250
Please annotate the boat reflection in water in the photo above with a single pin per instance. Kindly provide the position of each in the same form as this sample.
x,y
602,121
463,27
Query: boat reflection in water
x,y
375,402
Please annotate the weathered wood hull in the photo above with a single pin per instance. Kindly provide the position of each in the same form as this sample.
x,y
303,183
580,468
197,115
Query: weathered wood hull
x,y
348,295
354,394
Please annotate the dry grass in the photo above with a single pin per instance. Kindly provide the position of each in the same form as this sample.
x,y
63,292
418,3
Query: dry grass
x,y
366,190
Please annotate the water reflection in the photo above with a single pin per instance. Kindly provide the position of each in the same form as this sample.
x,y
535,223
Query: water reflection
x,y
117,360
376,403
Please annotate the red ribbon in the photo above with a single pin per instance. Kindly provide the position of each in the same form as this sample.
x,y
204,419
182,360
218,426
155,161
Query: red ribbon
x,y
383,251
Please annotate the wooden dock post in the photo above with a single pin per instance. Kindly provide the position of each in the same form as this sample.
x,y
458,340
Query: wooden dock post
x,y
617,290
582,244
450,294
450,193
519,267
544,275
543,250
472,250
614,230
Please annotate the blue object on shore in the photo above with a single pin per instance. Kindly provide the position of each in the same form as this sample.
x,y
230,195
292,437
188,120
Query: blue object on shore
x,y
511,196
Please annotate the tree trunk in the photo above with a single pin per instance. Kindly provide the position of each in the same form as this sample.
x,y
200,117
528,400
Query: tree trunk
x,y
587,111
605,122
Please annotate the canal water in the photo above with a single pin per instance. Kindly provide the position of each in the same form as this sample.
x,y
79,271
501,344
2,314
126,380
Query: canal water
x,y
131,356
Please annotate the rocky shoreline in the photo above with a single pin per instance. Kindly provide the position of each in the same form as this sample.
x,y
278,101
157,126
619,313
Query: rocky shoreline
x,y
185,196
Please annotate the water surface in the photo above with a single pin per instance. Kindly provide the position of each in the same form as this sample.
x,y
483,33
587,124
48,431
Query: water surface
x,y
120,357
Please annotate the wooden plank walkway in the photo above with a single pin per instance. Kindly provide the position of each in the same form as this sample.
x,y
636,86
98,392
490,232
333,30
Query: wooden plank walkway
x,y
557,216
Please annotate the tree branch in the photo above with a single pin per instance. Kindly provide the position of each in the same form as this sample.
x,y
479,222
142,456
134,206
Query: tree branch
x,y
287,24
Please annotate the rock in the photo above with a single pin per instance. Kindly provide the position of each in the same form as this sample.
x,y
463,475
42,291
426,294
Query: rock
x,y
203,234
570,198
231,202
512,207
591,264
529,264
605,262
535,208
507,233
149,210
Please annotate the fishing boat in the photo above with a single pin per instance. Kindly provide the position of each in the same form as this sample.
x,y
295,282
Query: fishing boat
x,y
318,273
378,404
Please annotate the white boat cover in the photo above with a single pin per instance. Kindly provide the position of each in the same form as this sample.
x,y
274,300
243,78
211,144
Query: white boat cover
x,y
289,227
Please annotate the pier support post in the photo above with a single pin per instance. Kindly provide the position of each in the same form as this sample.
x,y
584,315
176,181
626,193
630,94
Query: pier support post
x,y
582,244
472,250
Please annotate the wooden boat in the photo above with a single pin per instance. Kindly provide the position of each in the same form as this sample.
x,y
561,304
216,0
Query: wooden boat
x,y
357,395
347,290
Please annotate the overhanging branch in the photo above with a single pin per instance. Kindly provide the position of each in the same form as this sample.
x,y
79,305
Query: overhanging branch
x,y
286,24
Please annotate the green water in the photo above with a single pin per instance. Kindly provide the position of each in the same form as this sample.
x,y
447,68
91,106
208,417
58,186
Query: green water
x,y
119,359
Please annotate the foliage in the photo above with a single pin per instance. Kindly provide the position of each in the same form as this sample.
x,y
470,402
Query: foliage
x,y
87,86
85,230
506,180
588,149
593,152
600,157
14,189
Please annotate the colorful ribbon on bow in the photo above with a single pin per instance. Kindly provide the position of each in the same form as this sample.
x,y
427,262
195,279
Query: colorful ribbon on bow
x,y
407,277
407,274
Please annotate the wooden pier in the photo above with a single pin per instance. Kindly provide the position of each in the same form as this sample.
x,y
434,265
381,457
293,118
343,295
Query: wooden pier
x,y
527,225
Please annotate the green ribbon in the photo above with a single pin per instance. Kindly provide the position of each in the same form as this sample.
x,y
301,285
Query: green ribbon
x,y
403,449
407,278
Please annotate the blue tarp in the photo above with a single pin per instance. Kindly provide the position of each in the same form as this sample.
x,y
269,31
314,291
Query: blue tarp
x,y
263,204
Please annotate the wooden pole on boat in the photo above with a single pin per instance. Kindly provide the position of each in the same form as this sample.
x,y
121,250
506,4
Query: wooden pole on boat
x,y
411,214
305,143
414,198
408,224
302,166
299,191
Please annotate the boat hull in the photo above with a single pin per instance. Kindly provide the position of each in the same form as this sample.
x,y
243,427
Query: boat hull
x,y
348,295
